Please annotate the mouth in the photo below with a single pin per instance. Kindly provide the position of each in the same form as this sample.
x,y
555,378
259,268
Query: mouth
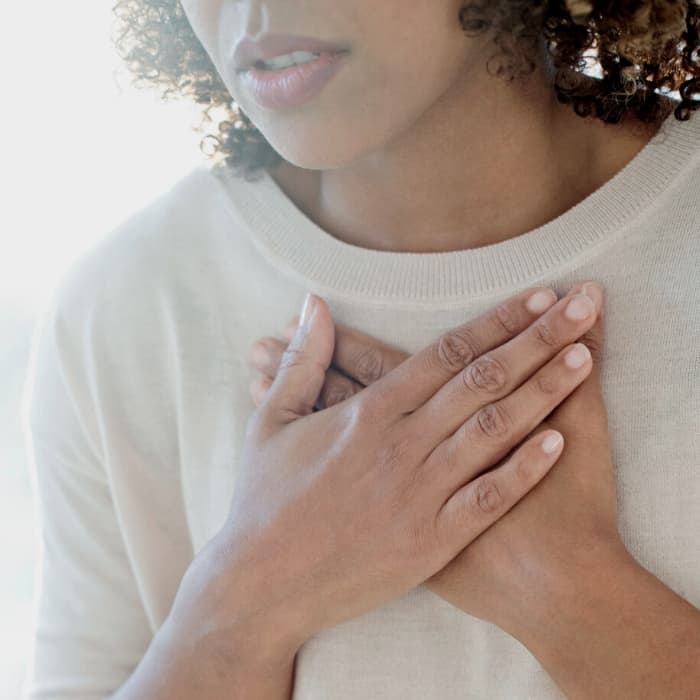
x,y
279,51
284,82
289,61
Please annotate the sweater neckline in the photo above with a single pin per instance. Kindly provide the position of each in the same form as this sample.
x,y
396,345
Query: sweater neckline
x,y
333,268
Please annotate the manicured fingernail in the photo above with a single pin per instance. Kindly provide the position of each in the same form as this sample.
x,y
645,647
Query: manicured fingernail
x,y
540,301
579,307
577,356
552,442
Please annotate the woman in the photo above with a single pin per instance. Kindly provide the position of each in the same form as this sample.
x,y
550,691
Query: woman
x,y
410,538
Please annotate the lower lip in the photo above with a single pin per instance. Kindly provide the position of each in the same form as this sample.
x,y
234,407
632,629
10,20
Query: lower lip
x,y
295,85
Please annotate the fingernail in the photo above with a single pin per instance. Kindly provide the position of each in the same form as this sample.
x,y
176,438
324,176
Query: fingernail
x,y
594,293
552,442
541,300
579,308
307,310
577,356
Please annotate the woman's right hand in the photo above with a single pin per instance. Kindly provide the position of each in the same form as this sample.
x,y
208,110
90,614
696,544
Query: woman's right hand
x,y
336,512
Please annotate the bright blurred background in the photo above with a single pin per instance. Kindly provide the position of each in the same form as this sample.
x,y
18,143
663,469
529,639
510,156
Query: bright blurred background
x,y
81,150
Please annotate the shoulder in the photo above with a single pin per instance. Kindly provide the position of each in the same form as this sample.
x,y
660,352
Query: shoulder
x,y
108,323
162,262
145,250
164,266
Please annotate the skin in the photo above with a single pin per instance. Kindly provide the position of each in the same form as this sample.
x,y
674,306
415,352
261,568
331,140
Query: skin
x,y
425,456
598,622
401,119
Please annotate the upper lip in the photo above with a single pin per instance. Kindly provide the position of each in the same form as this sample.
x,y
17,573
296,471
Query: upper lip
x,y
267,46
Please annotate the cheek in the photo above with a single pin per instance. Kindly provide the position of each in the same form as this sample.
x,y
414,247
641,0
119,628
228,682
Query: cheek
x,y
203,16
419,47
406,55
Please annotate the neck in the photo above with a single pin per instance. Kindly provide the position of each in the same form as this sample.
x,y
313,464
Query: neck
x,y
489,161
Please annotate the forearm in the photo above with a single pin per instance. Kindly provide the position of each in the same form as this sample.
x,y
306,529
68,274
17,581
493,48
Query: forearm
x,y
172,670
615,631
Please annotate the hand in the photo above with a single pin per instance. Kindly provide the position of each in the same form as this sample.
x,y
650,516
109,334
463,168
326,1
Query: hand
x,y
338,511
551,539
565,523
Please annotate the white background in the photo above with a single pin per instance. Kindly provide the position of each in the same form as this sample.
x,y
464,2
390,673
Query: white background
x,y
80,149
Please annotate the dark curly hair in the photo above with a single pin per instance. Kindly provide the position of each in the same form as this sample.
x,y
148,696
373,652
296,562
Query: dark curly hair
x,y
645,48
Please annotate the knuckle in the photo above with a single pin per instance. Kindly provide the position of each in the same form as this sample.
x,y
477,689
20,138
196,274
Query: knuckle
x,y
492,421
506,318
485,374
369,365
457,349
335,391
487,497
544,333
545,383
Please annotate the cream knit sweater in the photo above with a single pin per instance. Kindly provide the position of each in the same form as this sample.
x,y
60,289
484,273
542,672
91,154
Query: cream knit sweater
x,y
137,399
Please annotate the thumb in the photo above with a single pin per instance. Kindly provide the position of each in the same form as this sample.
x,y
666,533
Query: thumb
x,y
303,366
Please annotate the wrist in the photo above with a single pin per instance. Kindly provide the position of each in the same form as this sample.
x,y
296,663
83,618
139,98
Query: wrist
x,y
245,649
235,612
176,668
579,586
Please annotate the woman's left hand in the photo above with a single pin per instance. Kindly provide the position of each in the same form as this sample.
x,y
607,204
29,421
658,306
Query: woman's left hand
x,y
548,542
546,545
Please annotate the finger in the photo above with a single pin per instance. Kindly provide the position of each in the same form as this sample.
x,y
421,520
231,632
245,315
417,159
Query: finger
x,y
259,388
265,356
337,388
593,338
363,357
474,507
302,370
421,375
360,356
586,408
351,342
495,374
489,434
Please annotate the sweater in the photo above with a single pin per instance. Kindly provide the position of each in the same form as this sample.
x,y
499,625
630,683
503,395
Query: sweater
x,y
137,398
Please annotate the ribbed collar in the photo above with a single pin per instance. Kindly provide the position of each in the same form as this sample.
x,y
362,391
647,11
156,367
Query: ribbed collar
x,y
333,268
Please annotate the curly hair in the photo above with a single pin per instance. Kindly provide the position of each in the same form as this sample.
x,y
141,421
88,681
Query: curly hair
x,y
644,48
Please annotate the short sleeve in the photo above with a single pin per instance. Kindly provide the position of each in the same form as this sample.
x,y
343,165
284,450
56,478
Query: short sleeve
x,y
89,628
